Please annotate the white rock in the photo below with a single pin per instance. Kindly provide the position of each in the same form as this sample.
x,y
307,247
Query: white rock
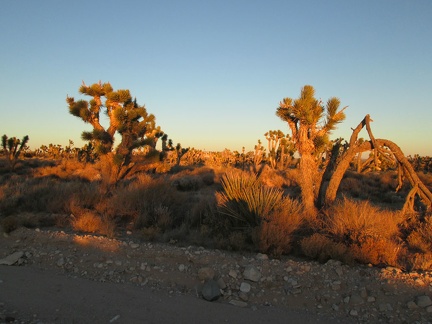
x,y
12,258
245,287
252,273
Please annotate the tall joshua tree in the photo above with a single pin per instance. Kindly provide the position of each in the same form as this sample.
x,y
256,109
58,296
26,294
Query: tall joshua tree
x,y
310,124
136,127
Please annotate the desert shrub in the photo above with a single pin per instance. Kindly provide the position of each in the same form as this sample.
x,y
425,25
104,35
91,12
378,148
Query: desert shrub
x,y
148,202
276,231
193,179
418,261
151,233
320,247
377,251
237,241
350,222
245,199
276,178
368,234
203,211
352,187
9,224
420,238
87,222
90,222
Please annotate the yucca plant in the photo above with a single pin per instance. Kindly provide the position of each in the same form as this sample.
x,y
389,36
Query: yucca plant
x,y
246,199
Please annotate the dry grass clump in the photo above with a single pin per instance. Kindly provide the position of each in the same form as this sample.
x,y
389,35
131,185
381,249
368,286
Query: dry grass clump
x,y
351,221
320,247
41,195
420,237
193,180
276,231
278,178
147,202
90,222
368,234
378,188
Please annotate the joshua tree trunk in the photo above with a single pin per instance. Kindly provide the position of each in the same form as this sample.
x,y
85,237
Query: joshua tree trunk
x,y
307,181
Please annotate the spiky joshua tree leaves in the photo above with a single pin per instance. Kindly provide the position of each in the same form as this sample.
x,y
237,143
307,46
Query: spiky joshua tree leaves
x,y
131,121
310,123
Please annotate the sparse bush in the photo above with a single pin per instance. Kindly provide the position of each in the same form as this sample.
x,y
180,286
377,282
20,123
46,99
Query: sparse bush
x,y
9,224
148,202
87,222
276,231
420,238
377,251
322,248
351,222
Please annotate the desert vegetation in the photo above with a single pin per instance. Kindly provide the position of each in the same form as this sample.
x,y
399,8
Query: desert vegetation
x,y
300,193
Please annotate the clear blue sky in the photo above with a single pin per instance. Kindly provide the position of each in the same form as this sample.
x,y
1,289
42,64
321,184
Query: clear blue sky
x,y
213,72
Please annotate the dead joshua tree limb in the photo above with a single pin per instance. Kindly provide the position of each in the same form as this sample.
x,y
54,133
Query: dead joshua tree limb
x,y
340,163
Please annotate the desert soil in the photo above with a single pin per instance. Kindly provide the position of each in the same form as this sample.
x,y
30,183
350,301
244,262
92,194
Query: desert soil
x,y
52,276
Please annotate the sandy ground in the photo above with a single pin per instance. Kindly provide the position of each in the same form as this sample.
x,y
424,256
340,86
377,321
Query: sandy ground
x,y
68,277
41,296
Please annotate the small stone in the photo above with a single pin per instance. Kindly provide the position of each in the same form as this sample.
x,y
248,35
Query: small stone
x,y
429,309
206,273
182,267
243,296
306,268
336,285
233,274
261,256
134,245
252,273
353,312
385,307
245,287
221,283
371,299
335,307
60,262
238,303
412,305
363,292
339,271
423,301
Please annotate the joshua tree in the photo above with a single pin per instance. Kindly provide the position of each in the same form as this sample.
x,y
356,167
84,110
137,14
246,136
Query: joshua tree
x,y
12,148
319,183
136,127
303,116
